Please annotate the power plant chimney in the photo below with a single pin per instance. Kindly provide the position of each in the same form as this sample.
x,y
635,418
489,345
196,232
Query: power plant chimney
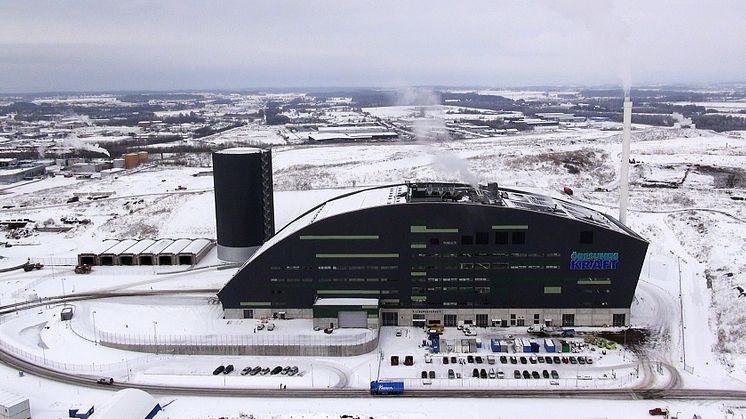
x,y
624,172
244,207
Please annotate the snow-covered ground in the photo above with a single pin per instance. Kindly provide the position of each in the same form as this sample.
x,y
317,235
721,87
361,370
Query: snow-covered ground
x,y
696,231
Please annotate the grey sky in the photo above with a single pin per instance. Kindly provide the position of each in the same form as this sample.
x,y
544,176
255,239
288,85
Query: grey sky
x,y
117,45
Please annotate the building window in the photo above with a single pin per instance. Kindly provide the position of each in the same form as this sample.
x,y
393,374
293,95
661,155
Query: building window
x,y
249,314
482,320
501,237
467,239
521,322
390,318
518,237
568,320
512,319
536,318
619,320
483,237
449,320
586,237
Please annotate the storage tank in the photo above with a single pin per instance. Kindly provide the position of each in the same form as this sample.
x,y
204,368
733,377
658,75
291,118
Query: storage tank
x,y
131,160
118,163
142,156
243,201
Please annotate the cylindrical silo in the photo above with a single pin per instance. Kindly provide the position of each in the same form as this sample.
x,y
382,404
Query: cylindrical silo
x,y
243,201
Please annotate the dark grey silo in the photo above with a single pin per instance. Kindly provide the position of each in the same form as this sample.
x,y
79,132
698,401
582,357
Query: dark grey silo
x,y
243,201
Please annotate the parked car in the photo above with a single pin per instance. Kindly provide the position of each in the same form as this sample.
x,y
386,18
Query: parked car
x,y
581,360
219,370
556,359
271,327
445,360
500,374
565,360
573,360
260,326
541,359
228,369
513,359
491,359
470,359
398,333
532,359
555,375
658,411
265,371
423,374
535,375
256,371
548,359
431,375
428,358
491,373
451,374
526,374
475,373
503,359
293,371
285,370
588,360
453,360
409,360
524,360
276,370
545,374
394,360
478,359
482,373
246,370
516,374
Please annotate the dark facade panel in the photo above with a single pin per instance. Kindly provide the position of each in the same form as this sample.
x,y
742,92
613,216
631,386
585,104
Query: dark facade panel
x,y
444,255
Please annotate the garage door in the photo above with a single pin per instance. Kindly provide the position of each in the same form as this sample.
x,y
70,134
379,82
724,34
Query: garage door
x,y
352,319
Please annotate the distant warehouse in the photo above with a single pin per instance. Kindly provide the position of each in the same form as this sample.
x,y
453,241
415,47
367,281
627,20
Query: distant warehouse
x,y
147,252
352,133
443,253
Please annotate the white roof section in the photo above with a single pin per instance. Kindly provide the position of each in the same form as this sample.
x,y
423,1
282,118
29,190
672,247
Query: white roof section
x,y
158,246
129,403
103,246
119,248
346,302
177,246
196,246
377,197
10,399
138,247
241,150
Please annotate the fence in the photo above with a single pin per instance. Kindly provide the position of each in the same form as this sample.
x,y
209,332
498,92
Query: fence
x,y
262,344
89,368
55,261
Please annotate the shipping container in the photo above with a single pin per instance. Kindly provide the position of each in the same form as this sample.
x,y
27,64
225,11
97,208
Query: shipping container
x,y
518,345
495,345
504,346
549,345
526,345
479,343
565,346
534,345
436,345
13,406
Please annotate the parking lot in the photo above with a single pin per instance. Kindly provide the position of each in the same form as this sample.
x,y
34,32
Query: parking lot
x,y
407,355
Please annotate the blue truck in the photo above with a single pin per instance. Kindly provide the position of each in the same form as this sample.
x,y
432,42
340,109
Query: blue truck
x,y
386,387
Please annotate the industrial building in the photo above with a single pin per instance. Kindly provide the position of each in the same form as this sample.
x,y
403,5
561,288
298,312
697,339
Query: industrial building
x,y
439,253
147,252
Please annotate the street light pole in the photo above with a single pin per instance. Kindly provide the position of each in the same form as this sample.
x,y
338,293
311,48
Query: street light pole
x,y
95,339
155,335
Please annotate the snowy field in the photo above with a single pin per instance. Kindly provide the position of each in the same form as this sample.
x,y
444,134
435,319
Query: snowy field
x,y
689,265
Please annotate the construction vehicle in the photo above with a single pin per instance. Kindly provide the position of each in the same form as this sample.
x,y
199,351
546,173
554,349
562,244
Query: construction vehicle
x,y
541,330
83,269
28,267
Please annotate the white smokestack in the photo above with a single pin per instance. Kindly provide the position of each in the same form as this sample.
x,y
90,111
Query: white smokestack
x,y
624,172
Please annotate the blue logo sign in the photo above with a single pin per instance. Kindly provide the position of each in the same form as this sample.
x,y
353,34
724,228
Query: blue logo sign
x,y
594,261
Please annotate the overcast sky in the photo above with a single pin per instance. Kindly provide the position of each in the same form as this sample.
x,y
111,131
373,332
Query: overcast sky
x,y
139,45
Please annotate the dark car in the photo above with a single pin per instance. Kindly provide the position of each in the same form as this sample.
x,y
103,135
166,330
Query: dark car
x,y
581,360
479,359
524,360
293,371
445,360
475,373
105,381
535,375
516,374
265,371
246,370
541,359
548,359
565,360
470,359
555,375
276,370
394,360
218,370
228,369
285,370
545,374
573,360
453,360
513,360
409,360
526,374
503,359
256,371
423,374
532,359
483,373
451,374
556,359
431,374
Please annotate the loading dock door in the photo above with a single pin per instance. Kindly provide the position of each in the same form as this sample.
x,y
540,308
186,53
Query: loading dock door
x,y
352,319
